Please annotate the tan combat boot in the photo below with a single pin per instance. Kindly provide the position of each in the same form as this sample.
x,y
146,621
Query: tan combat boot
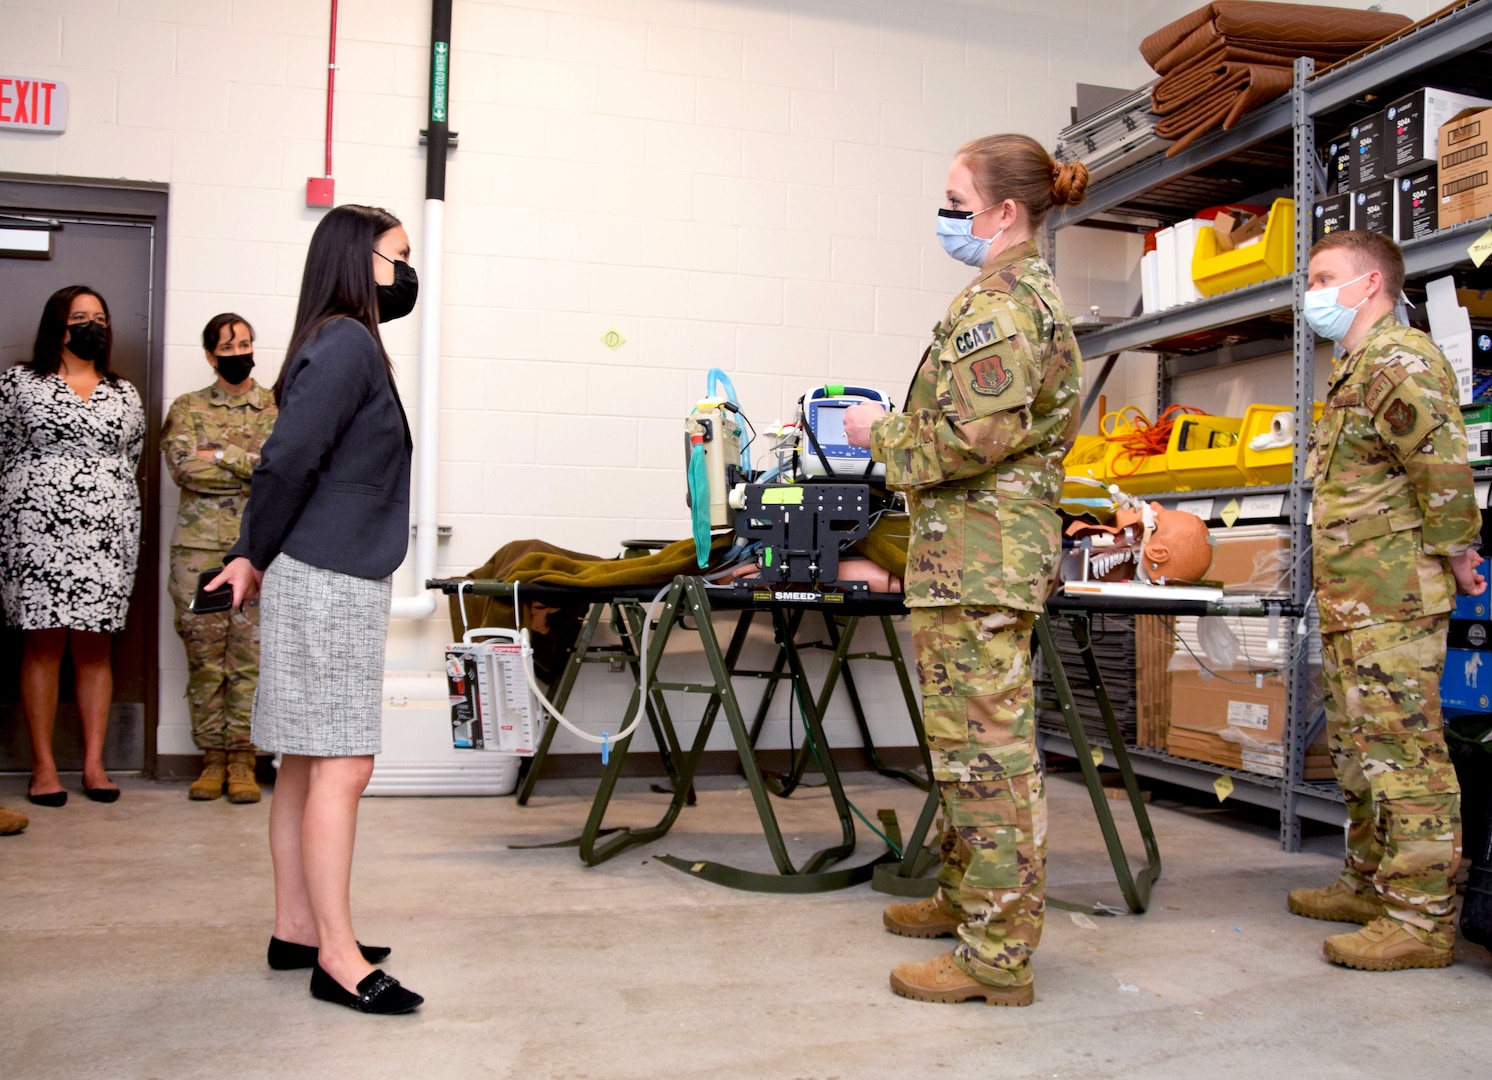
x,y
1384,945
214,771
12,822
1336,903
242,787
941,980
928,918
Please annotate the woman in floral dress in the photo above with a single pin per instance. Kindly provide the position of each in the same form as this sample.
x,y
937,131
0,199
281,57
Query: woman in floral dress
x,y
71,433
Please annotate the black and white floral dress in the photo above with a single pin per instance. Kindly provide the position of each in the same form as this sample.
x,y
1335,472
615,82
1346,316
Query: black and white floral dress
x,y
69,504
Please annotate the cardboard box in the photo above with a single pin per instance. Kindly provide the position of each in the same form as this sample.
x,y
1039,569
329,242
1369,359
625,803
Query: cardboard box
x,y
1366,149
1336,158
1211,706
1467,681
1255,558
1450,329
1419,205
1155,641
1481,363
1374,206
1465,191
1200,729
1412,139
1201,746
1478,434
1331,215
1233,228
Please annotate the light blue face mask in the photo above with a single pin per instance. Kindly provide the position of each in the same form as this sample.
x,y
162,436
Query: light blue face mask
x,y
955,233
1327,318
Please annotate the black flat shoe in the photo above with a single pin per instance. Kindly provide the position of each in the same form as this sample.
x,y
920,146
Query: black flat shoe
x,y
51,798
378,993
101,794
288,956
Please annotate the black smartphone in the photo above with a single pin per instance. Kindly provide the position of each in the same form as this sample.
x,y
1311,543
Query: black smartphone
x,y
219,599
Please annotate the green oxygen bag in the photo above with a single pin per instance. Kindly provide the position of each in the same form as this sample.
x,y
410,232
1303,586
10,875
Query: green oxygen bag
x,y
699,502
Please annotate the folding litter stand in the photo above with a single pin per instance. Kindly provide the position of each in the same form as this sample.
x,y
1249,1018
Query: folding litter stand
x,y
689,597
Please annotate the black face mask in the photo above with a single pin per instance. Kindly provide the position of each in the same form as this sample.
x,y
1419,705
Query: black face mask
x,y
235,369
88,341
397,300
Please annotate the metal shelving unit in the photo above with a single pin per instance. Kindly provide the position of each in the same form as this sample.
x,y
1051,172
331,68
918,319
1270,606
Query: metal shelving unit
x,y
1274,147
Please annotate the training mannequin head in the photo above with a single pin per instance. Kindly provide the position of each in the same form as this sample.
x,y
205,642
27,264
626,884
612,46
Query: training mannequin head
x,y
1179,548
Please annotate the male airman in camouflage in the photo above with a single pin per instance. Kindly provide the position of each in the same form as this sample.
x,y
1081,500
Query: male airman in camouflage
x,y
211,443
978,450
1393,519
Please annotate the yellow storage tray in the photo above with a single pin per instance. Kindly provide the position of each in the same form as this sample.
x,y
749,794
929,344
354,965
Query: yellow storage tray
x,y
1273,256
1204,452
1085,459
1266,466
1137,476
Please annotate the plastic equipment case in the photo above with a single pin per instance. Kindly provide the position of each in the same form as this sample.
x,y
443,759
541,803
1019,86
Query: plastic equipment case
x,y
1204,452
1266,466
1274,256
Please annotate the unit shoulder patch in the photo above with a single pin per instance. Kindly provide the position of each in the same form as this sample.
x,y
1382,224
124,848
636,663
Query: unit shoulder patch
x,y
989,375
1400,417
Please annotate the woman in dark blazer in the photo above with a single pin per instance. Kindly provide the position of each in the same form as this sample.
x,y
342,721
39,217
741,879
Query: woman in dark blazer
x,y
326,524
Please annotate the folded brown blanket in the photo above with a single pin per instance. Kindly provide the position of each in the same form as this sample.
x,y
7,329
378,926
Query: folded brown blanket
x,y
1323,32
1235,89
1231,56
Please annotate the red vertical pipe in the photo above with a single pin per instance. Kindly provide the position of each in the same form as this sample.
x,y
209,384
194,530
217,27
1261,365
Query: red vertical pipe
x,y
331,85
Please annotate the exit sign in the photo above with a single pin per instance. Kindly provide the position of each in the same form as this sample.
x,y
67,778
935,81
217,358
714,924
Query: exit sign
x,y
32,104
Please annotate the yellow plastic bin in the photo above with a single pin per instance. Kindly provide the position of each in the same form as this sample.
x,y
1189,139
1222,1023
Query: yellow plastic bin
x,y
1267,466
1271,257
1085,459
1204,452
1136,475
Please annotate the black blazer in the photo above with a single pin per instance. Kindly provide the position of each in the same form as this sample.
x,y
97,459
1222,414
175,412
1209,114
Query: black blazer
x,y
332,484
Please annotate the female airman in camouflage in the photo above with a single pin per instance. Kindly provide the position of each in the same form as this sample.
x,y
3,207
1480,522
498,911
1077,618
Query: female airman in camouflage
x,y
978,449
211,444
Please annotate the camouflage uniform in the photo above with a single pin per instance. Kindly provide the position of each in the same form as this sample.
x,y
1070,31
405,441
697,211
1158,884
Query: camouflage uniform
x,y
1393,500
978,449
222,647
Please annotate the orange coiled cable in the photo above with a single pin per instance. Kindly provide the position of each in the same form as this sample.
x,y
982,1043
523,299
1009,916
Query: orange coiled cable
x,y
1141,439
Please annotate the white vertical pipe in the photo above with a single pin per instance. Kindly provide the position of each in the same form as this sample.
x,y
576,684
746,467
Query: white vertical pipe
x,y
421,603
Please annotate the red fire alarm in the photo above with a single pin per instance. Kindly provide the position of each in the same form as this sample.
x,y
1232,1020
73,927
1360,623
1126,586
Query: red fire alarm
x,y
319,191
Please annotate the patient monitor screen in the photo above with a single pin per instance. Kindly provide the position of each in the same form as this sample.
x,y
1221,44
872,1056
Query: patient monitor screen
x,y
828,425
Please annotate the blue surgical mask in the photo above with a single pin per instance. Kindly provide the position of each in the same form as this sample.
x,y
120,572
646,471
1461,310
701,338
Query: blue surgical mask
x,y
955,233
1327,318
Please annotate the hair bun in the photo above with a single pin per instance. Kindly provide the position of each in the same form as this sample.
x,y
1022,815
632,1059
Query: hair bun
x,y
1069,183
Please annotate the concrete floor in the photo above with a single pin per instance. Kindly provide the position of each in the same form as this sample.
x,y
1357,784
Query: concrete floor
x,y
132,945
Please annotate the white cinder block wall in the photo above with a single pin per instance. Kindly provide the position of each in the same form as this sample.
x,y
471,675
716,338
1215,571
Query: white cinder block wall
x,y
747,184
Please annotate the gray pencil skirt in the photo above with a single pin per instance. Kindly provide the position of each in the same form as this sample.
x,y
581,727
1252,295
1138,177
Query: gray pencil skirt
x,y
321,649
